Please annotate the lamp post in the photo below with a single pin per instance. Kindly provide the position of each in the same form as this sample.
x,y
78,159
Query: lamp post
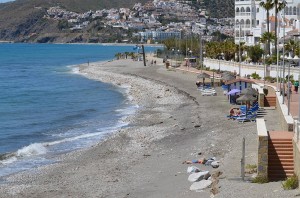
x,y
289,59
177,57
283,70
265,68
172,56
202,66
240,26
220,56
281,73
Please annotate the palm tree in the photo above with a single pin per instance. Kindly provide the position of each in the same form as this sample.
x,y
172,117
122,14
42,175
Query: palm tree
x,y
255,53
267,38
278,7
268,5
291,46
118,55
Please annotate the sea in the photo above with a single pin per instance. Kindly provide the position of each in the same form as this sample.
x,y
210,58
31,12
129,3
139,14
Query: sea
x,y
48,109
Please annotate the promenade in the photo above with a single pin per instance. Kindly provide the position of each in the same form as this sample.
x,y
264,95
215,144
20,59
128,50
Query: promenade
x,y
294,97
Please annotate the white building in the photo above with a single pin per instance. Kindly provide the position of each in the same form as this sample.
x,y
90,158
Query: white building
x,y
251,23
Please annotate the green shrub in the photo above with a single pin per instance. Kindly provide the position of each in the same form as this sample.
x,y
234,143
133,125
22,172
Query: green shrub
x,y
255,76
251,168
260,180
290,183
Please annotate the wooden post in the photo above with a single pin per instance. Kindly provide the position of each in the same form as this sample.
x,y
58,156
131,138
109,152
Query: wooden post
x,y
243,160
144,57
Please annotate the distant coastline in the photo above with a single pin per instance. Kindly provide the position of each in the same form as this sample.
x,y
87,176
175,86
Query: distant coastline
x,y
103,44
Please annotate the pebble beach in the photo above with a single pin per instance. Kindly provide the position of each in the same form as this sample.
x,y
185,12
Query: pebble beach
x,y
173,123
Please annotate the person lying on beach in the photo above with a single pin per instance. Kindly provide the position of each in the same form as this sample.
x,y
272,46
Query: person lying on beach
x,y
193,162
234,113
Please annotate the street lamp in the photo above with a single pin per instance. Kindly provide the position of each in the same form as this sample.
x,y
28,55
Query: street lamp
x,y
202,65
172,56
240,26
265,68
220,56
177,57
281,74
290,59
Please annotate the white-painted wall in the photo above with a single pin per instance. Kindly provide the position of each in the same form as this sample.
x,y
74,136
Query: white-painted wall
x,y
249,68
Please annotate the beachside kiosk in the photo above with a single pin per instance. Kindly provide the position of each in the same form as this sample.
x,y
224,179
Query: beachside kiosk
x,y
191,62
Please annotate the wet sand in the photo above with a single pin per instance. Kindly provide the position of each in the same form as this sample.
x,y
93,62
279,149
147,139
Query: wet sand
x,y
174,123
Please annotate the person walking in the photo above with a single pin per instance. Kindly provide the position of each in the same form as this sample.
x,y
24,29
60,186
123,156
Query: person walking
x,y
296,85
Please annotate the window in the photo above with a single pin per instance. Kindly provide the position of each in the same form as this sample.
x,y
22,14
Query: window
x,y
257,10
257,22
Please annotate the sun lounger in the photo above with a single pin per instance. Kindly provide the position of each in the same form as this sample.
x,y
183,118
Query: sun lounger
x,y
209,92
250,117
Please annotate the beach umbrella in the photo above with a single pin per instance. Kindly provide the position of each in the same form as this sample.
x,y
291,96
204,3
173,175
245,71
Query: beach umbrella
x,y
249,91
203,76
233,91
228,76
246,98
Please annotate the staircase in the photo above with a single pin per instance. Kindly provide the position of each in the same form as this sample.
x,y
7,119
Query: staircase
x,y
280,155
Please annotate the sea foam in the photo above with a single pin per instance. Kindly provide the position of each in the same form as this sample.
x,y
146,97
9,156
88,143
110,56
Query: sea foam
x,y
32,149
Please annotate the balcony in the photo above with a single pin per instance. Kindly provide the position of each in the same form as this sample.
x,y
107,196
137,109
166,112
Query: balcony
x,y
243,14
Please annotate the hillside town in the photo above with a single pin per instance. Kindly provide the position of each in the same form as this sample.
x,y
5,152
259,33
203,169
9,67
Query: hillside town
x,y
152,22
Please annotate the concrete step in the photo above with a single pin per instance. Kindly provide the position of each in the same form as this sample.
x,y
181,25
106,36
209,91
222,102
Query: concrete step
x,y
281,156
283,167
275,172
289,149
280,152
281,140
279,145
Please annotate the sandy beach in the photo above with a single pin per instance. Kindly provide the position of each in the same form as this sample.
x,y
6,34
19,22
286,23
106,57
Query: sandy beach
x,y
173,123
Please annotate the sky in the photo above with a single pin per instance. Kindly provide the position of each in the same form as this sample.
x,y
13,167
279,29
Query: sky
x,y
3,1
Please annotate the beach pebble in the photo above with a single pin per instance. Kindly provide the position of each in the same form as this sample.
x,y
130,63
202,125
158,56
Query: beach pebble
x,y
199,176
197,126
198,186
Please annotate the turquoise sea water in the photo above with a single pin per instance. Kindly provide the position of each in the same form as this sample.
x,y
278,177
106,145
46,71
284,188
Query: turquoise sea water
x,y
47,109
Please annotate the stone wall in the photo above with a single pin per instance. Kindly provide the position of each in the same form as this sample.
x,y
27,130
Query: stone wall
x,y
286,121
262,163
296,149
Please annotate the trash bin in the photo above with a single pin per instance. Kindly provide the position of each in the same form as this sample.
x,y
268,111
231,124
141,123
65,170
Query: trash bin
x,y
167,64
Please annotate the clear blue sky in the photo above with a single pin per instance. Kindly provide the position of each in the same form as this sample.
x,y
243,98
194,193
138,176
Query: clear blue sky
x,y
3,1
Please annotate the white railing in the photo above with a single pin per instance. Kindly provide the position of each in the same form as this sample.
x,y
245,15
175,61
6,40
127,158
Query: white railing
x,y
249,68
243,14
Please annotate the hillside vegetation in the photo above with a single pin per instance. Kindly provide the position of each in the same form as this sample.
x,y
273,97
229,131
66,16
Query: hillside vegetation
x,y
219,8
22,20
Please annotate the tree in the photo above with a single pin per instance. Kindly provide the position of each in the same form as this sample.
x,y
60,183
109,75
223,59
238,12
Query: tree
x,y
63,24
292,46
255,53
268,5
266,39
278,7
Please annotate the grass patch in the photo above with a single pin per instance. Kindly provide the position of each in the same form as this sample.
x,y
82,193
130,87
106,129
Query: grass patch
x,y
291,183
251,168
260,180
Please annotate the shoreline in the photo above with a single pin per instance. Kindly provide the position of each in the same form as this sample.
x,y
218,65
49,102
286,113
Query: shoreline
x,y
173,124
